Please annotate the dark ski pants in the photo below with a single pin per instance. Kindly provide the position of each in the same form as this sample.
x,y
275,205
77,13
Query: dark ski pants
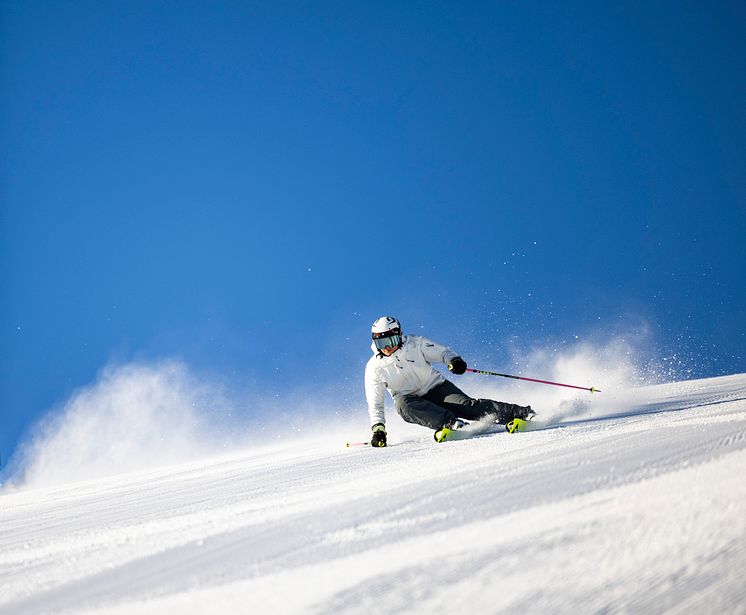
x,y
446,402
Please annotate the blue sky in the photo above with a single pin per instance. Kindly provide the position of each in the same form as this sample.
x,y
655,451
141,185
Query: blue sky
x,y
247,186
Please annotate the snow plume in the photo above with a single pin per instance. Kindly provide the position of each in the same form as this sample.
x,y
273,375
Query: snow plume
x,y
139,416
616,367
135,416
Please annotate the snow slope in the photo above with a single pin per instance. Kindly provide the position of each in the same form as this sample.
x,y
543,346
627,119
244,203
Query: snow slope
x,y
638,508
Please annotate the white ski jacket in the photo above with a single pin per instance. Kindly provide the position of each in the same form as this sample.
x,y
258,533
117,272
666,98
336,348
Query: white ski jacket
x,y
408,371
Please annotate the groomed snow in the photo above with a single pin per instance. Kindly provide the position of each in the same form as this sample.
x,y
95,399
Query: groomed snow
x,y
640,508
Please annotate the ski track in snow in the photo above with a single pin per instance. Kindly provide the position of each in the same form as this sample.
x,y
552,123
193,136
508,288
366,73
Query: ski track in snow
x,y
641,510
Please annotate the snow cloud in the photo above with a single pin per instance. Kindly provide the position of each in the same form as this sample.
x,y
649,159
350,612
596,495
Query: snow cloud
x,y
135,416
139,416
618,366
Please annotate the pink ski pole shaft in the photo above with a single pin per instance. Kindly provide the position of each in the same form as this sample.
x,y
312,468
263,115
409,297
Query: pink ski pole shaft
x,y
557,384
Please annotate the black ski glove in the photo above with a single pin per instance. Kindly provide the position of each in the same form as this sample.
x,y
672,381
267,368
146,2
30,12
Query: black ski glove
x,y
457,365
379,435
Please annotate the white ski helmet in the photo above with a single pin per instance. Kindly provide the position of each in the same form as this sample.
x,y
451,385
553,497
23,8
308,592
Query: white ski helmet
x,y
386,332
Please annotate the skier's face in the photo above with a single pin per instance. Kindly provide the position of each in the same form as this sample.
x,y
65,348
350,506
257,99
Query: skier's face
x,y
389,350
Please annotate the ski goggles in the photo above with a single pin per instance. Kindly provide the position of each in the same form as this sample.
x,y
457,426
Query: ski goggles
x,y
389,341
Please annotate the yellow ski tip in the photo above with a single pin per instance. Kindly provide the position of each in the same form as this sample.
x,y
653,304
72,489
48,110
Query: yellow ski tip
x,y
516,425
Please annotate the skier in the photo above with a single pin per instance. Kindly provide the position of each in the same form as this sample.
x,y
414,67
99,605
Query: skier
x,y
403,365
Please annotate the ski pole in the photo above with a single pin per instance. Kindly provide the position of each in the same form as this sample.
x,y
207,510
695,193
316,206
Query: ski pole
x,y
349,444
558,384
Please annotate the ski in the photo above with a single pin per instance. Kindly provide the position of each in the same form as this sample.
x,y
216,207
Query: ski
x,y
475,430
